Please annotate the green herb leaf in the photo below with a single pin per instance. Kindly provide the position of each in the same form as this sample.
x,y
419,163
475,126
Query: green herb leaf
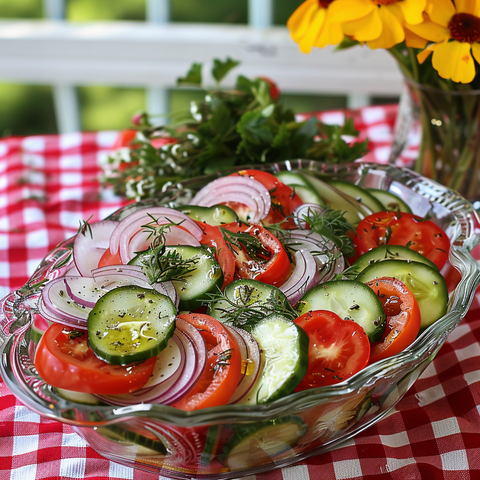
x,y
220,69
193,76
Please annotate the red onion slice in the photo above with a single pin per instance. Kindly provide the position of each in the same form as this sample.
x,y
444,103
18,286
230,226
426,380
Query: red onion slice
x,y
196,354
176,236
129,226
88,247
135,276
244,190
328,257
168,369
251,362
57,316
302,212
304,276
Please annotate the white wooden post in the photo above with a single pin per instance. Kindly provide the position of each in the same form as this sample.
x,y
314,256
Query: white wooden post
x,y
260,13
65,98
157,98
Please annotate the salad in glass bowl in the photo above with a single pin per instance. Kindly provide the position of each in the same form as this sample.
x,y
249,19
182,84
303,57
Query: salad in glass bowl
x,y
243,322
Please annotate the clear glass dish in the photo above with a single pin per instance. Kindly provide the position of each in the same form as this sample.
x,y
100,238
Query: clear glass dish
x,y
234,440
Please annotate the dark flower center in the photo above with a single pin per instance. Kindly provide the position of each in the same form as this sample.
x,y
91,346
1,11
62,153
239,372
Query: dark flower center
x,y
465,28
385,2
324,3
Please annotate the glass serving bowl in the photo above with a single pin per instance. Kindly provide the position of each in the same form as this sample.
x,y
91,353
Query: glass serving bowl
x,y
234,440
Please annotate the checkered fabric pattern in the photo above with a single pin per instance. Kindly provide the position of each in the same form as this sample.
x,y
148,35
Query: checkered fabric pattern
x,y
49,184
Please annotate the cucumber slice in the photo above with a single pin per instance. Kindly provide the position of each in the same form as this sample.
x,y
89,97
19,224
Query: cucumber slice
x,y
389,200
292,178
390,252
143,445
308,195
350,300
427,285
241,294
130,324
215,215
262,442
285,348
358,193
78,397
206,278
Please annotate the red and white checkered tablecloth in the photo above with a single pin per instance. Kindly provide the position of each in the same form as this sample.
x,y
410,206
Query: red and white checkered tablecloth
x,y
48,184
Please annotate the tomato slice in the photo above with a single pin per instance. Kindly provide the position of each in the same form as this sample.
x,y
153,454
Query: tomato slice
x,y
403,317
222,373
284,199
337,348
401,228
65,360
213,237
108,259
271,265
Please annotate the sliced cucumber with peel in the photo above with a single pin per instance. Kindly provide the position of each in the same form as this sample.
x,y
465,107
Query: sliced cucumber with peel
x,y
308,195
130,324
354,210
358,193
427,285
246,293
284,346
389,200
194,290
214,216
262,442
350,300
390,252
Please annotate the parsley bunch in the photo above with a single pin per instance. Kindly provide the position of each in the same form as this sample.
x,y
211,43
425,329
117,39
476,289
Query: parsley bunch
x,y
227,128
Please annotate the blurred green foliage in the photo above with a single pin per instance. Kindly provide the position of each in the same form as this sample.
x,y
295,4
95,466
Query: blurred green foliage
x,y
29,109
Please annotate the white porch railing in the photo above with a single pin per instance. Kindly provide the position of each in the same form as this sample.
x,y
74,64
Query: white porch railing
x,y
153,54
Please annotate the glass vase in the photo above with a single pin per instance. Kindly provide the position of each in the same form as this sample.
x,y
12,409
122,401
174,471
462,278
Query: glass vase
x,y
446,126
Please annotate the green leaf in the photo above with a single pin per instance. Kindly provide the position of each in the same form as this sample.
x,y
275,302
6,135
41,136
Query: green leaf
x,y
253,128
220,69
193,76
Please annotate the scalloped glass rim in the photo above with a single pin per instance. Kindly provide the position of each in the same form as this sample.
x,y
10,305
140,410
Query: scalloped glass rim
x,y
446,205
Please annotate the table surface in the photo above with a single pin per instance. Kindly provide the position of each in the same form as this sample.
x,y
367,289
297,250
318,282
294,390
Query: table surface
x,y
49,184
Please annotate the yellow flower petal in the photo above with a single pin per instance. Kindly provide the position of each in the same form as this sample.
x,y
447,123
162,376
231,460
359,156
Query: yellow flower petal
x,y
300,19
331,34
366,28
430,31
392,32
422,56
454,60
347,10
412,10
466,6
413,40
441,11
476,51
317,22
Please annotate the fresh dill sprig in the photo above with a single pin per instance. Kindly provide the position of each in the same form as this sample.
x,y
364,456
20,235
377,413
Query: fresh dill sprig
x,y
246,310
236,241
333,225
160,264
157,231
85,227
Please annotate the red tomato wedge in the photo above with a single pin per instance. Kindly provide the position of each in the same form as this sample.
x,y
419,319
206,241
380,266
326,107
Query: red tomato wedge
x,y
400,228
213,237
284,199
337,348
269,264
64,359
403,317
108,259
223,370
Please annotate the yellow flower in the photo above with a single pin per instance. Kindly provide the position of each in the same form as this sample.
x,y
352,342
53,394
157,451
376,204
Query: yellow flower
x,y
310,26
379,23
454,30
